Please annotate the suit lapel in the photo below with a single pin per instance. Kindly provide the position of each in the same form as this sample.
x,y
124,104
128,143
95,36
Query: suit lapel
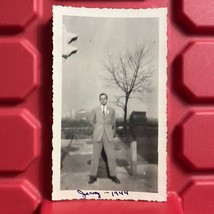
x,y
100,111
107,112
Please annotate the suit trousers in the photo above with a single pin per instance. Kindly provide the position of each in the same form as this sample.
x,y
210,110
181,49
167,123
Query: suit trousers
x,y
109,150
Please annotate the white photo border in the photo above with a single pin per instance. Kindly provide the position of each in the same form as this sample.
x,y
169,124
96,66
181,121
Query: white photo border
x,y
58,13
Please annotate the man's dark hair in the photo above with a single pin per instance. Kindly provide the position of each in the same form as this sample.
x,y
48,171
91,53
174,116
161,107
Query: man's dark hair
x,y
104,95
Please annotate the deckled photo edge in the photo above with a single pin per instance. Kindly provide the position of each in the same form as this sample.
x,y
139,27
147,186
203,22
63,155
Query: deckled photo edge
x,y
56,76
58,13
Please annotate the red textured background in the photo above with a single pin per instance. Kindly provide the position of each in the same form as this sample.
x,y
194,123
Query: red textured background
x,y
26,109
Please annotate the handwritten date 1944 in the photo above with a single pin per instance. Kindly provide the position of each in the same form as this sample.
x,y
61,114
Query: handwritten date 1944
x,y
99,196
118,193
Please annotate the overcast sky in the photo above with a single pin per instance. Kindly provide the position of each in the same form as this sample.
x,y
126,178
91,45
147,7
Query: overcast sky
x,y
83,72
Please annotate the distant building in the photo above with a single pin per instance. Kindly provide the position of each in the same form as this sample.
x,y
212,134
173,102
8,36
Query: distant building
x,y
82,114
73,114
66,115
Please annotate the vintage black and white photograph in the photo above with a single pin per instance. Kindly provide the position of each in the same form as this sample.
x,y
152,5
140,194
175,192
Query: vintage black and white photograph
x,y
109,103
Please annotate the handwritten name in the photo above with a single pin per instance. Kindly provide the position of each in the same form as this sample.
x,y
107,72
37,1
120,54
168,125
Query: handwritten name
x,y
85,194
99,195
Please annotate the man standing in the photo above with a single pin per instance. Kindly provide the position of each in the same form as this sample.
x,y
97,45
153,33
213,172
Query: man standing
x,y
103,120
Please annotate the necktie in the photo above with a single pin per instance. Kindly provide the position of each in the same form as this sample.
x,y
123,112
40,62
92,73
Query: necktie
x,y
104,111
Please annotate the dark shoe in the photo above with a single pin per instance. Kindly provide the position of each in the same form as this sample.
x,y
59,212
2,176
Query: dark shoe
x,y
115,179
92,179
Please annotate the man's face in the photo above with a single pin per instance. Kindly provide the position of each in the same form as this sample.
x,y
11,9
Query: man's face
x,y
103,100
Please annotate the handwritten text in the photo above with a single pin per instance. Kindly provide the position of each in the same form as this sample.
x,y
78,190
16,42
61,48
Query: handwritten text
x,y
85,194
98,195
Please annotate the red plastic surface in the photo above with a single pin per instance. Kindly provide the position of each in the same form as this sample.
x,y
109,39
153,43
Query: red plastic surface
x,y
19,69
67,207
19,196
26,109
24,133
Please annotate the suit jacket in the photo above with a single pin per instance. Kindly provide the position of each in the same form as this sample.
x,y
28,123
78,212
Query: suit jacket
x,y
103,123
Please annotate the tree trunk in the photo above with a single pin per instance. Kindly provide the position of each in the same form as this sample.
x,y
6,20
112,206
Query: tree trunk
x,y
125,115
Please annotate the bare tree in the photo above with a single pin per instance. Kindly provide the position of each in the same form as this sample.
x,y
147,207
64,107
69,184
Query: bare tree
x,y
132,73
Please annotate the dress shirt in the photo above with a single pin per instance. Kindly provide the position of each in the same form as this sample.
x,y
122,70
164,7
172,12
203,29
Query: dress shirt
x,y
104,109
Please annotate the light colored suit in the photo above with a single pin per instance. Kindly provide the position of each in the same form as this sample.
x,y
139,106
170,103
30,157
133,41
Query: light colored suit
x,y
103,123
104,131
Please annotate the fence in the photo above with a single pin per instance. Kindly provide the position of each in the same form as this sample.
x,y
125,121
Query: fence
x,y
87,131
